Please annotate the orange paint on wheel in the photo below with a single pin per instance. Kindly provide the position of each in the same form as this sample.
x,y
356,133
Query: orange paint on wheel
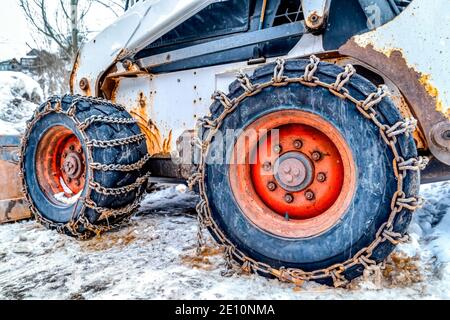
x,y
298,179
61,163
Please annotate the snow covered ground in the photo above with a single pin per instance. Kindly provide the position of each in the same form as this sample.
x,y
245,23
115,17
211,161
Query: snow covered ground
x,y
19,96
154,257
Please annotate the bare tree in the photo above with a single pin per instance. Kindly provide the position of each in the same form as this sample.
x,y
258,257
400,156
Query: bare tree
x,y
64,24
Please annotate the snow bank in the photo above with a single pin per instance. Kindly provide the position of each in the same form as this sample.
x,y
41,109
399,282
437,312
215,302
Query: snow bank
x,y
19,96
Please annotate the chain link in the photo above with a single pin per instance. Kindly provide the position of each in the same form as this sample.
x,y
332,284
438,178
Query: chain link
x,y
105,119
121,190
121,167
311,69
367,109
414,164
344,77
116,142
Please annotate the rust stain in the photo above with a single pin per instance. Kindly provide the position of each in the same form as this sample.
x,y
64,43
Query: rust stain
x,y
14,210
405,111
414,86
425,80
314,20
397,97
202,260
111,240
73,74
402,271
12,203
156,145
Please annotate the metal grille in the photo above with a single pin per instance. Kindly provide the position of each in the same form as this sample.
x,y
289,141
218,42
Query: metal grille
x,y
402,4
288,12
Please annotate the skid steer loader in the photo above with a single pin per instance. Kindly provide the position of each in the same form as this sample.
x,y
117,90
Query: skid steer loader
x,y
307,158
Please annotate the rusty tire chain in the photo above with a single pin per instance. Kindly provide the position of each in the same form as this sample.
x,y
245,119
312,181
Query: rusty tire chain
x,y
54,104
367,109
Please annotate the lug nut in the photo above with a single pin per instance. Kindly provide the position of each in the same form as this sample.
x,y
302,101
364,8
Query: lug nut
x,y
277,149
78,183
267,166
316,156
127,64
314,18
69,180
321,177
309,195
271,186
298,144
289,198
72,148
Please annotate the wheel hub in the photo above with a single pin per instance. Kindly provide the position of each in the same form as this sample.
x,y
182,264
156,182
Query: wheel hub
x,y
61,165
293,171
72,166
297,178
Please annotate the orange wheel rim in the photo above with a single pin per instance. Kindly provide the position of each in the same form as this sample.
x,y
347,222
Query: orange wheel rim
x,y
61,165
298,184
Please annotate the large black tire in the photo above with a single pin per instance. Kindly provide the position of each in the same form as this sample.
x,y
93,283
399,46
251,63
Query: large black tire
x,y
376,182
84,218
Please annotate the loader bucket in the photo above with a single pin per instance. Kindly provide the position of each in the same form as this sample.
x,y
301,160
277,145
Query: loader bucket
x,y
13,206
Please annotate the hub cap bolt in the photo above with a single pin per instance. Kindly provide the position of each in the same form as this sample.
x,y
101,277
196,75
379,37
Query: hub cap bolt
x,y
84,84
289,198
298,144
277,149
314,18
316,156
72,148
309,195
271,186
321,177
267,166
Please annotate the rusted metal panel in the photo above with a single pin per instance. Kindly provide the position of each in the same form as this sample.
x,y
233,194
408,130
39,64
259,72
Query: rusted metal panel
x,y
12,203
412,51
378,77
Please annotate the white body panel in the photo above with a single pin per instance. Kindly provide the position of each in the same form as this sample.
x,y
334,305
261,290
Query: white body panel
x,y
176,100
